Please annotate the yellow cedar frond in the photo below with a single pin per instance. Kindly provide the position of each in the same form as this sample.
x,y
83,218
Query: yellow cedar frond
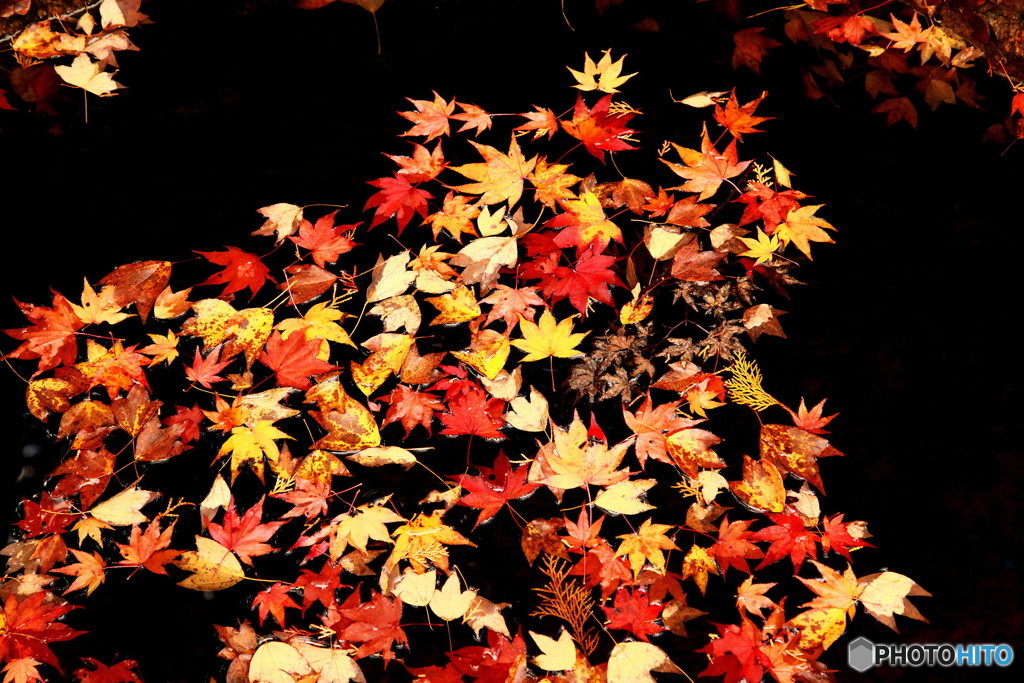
x,y
745,384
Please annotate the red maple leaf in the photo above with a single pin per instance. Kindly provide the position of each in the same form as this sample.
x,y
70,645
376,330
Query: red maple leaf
x,y
836,536
30,624
86,473
48,516
51,337
245,535
734,547
430,117
652,427
241,270
399,198
190,417
694,265
326,240
320,586
149,549
632,611
812,420
707,170
491,664
736,654
739,120
294,360
273,601
474,414
411,407
762,202
844,28
204,370
598,130
494,487
787,536
750,48
599,566
375,624
121,672
588,278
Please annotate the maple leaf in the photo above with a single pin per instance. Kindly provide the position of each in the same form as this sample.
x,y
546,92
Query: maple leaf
x,y
98,672
632,611
598,130
422,540
795,451
802,227
366,522
30,624
397,198
736,653
294,360
164,348
245,535
475,118
241,270
149,549
456,216
551,182
834,590
750,48
734,547
88,75
694,265
787,536
540,121
473,414
430,117
751,596
325,240
608,74
587,279
319,586
494,487
646,545
897,109
51,337
204,370
99,308
423,165
273,601
812,420
89,571
651,427
885,595
907,36
500,176
549,338
740,120
251,444
837,535
411,408
508,304
705,171
22,669
584,224
375,624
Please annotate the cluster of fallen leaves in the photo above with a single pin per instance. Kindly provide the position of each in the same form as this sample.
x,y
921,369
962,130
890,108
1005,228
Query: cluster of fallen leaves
x,y
78,50
371,419
902,53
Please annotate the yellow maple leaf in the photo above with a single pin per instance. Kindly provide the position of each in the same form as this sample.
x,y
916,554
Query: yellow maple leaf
x,y
608,74
697,564
646,545
571,461
549,339
558,655
763,248
802,227
423,541
99,308
252,444
358,527
457,306
500,177
456,216
487,352
88,75
164,348
319,322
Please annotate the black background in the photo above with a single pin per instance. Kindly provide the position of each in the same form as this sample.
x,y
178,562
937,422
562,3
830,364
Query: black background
x,y
905,325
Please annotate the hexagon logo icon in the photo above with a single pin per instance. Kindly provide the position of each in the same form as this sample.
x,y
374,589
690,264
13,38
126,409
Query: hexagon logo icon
x,y
860,654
